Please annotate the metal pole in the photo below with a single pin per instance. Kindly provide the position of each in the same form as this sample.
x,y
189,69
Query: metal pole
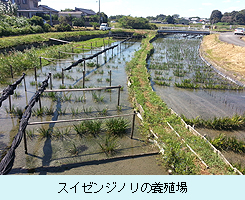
x,y
62,74
118,101
99,12
25,143
132,129
84,69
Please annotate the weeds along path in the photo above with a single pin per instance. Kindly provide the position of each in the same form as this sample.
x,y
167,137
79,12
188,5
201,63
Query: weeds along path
x,y
156,114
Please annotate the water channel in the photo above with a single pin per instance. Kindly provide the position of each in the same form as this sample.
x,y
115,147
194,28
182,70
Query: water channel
x,y
69,153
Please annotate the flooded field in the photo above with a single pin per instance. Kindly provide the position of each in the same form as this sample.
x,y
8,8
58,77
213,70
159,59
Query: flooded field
x,y
190,87
58,147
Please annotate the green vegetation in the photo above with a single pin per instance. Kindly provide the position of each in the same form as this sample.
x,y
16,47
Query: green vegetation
x,y
222,123
222,142
117,126
108,144
135,23
22,61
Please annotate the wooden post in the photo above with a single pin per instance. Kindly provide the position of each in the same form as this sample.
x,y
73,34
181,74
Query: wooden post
x,y
25,143
97,62
72,50
10,105
118,101
40,58
132,129
83,48
11,71
51,84
25,83
112,52
59,55
62,74
35,71
110,77
40,103
84,66
91,47
83,79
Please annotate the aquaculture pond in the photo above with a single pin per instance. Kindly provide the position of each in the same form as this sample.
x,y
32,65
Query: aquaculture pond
x,y
78,147
192,88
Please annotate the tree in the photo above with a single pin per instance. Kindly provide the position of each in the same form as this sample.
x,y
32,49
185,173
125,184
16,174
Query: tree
x,y
135,23
176,16
216,16
169,19
161,17
104,17
240,18
8,9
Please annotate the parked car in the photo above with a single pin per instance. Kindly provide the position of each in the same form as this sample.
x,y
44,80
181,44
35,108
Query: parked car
x,y
104,27
239,31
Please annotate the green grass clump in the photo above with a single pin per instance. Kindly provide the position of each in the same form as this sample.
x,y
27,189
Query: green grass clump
x,y
117,126
108,144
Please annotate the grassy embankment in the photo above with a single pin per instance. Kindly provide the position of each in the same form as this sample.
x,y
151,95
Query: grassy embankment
x,y
22,61
227,58
177,156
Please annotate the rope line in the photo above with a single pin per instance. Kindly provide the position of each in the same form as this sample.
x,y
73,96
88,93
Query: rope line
x,y
10,89
7,162
95,55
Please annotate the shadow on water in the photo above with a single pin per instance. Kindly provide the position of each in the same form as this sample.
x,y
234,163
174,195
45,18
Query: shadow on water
x,y
47,148
45,169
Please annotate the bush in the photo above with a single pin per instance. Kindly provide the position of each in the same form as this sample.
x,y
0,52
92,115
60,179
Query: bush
x,y
46,27
63,27
35,20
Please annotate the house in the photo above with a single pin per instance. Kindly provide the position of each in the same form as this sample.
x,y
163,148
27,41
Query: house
x,y
85,12
28,8
78,12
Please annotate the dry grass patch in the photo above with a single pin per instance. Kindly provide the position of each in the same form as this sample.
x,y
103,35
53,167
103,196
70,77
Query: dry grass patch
x,y
227,56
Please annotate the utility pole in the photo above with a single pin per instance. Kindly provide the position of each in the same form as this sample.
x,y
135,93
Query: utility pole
x,y
99,13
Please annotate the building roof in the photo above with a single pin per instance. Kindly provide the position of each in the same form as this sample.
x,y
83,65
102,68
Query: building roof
x,y
86,11
46,8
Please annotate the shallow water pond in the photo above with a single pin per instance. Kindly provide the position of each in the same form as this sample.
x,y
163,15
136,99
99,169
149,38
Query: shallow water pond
x,y
176,61
64,147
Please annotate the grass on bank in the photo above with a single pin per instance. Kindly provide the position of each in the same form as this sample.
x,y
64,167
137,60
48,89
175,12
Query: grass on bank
x,y
176,157
228,56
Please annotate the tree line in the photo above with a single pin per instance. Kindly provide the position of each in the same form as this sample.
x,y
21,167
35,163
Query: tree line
x,y
230,18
